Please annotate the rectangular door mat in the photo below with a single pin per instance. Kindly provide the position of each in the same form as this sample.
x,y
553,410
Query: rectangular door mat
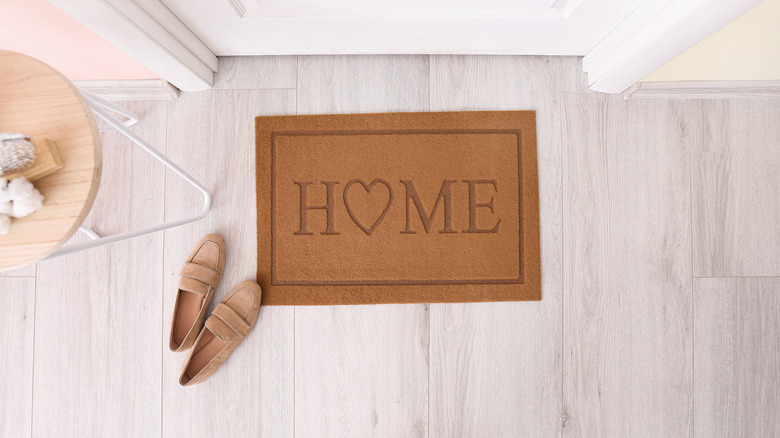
x,y
398,208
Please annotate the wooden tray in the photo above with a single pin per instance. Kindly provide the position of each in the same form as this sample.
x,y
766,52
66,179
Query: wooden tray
x,y
37,100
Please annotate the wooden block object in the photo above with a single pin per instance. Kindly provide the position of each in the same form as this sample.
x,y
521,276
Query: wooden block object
x,y
47,161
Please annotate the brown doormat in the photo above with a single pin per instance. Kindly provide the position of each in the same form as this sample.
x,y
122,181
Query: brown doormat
x,y
398,208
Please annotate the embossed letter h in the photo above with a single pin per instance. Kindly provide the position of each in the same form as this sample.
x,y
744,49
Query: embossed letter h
x,y
330,228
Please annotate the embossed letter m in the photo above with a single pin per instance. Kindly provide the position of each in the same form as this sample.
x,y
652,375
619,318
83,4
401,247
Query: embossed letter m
x,y
444,194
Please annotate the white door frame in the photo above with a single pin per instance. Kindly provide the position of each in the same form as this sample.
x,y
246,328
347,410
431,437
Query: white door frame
x,y
150,33
651,35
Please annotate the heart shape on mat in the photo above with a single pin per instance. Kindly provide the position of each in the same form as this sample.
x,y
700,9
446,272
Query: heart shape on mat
x,y
368,188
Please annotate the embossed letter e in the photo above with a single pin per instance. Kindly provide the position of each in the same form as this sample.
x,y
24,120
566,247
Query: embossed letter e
x,y
473,205
330,228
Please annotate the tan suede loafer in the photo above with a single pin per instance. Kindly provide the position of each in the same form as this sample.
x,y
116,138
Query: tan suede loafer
x,y
225,329
199,277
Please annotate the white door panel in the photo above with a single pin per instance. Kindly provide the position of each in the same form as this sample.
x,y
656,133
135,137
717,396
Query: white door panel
x,y
393,4
285,27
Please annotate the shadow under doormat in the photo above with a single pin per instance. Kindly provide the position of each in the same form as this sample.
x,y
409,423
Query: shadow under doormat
x,y
398,208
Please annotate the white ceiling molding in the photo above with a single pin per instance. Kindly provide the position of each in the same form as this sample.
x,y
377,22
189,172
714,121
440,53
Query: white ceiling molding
x,y
150,33
656,32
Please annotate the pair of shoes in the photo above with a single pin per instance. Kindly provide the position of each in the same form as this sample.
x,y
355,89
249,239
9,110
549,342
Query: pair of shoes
x,y
229,323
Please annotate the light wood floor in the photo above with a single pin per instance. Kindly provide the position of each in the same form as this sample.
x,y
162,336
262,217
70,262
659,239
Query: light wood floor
x,y
660,227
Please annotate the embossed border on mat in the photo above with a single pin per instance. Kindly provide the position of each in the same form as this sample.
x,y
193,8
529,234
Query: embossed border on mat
x,y
519,280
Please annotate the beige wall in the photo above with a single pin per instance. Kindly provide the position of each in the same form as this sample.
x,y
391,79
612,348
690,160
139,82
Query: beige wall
x,y
38,29
748,48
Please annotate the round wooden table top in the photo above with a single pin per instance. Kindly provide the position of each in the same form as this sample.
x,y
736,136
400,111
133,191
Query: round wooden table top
x,y
38,101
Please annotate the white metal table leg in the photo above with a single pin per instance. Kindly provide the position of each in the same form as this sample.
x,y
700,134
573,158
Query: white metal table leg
x,y
99,107
89,232
132,118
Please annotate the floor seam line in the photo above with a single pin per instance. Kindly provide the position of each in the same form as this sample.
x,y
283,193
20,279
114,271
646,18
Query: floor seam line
x,y
162,295
563,272
35,324
693,293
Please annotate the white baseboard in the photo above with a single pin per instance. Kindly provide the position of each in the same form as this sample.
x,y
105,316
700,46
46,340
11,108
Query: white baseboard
x,y
704,90
147,89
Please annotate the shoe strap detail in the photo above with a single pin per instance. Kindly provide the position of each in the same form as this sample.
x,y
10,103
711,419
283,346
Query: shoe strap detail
x,y
190,284
201,273
220,329
232,320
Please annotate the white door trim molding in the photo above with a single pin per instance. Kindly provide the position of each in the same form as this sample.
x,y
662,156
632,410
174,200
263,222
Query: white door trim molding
x,y
150,33
652,35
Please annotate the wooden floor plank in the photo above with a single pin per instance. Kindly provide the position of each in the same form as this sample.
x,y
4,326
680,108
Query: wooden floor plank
x,y
496,367
256,72
17,328
211,134
361,370
362,84
97,338
735,180
24,271
737,366
627,363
